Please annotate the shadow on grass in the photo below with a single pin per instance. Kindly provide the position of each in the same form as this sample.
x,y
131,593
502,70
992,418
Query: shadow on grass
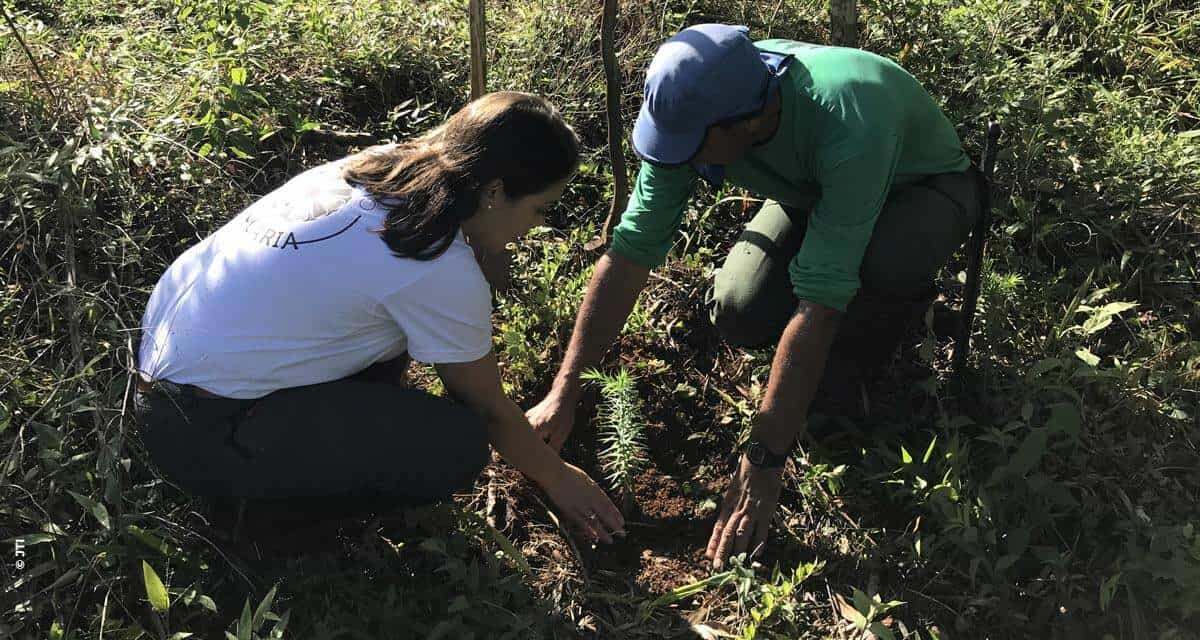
x,y
431,579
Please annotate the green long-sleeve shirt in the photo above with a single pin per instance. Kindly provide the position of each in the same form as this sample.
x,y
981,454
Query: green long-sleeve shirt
x,y
852,125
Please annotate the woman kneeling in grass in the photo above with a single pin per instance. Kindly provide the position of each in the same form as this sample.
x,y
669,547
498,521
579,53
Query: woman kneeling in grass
x,y
274,352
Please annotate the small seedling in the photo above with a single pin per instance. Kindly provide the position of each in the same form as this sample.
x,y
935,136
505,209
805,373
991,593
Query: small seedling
x,y
621,428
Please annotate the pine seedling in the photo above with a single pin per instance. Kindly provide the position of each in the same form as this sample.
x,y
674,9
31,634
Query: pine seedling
x,y
621,428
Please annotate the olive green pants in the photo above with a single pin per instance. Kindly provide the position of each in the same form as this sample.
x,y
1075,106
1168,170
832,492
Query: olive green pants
x,y
919,228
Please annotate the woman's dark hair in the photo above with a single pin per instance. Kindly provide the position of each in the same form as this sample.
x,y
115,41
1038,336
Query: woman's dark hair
x,y
433,183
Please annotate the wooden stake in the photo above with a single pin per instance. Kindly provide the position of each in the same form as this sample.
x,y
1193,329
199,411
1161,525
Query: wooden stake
x,y
616,130
478,49
962,344
843,22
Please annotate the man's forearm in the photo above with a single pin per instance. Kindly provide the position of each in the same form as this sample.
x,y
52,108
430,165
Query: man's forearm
x,y
796,372
606,305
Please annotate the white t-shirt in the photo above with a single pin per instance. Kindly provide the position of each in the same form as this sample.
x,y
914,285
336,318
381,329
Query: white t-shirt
x,y
299,289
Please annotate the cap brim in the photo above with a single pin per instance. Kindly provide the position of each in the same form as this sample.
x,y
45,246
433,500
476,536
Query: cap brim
x,y
664,147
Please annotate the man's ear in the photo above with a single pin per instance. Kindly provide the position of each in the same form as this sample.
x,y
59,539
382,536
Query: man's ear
x,y
742,127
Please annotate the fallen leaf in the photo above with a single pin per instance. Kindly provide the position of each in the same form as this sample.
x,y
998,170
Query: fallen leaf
x,y
709,632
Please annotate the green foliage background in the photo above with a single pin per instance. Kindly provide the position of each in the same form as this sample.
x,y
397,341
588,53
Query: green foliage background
x,y
1055,495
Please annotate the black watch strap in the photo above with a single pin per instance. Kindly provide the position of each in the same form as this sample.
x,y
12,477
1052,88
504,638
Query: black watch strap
x,y
760,455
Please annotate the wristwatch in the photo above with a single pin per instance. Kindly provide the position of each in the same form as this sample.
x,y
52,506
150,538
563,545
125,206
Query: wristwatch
x,y
760,456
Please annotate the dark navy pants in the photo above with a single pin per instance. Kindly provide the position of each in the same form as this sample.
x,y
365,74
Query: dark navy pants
x,y
353,440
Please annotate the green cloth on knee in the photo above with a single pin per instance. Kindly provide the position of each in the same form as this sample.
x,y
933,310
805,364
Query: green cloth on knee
x,y
752,294
920,227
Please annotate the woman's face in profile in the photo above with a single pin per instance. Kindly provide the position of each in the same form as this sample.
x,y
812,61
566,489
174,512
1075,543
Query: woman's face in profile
x,y
501,219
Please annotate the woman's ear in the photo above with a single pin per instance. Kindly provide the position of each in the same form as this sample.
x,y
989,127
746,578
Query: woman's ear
x,y
493,192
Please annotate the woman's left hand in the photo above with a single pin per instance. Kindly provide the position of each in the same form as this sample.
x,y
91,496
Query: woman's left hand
x,y
584,504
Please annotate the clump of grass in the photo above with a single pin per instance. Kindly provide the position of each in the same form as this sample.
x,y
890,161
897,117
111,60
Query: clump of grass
x,y
622,431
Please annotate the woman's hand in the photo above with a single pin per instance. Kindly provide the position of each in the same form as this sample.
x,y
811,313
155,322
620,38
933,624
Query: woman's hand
x,y
583,503
552,419
578,498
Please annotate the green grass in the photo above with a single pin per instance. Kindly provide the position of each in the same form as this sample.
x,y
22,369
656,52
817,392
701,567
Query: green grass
x,y
1053,494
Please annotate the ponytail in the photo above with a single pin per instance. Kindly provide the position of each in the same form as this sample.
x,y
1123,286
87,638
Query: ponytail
x,y
431,185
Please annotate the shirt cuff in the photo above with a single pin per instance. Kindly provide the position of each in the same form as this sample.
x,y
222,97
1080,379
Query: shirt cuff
x,y
643,257
449,357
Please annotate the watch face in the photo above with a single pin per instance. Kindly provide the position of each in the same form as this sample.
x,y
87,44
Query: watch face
x,y
755,453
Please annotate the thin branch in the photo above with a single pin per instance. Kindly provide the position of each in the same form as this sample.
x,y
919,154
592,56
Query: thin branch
x,y
37,68
616,131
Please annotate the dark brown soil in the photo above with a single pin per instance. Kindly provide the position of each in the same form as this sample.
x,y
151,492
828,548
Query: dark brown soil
x,y
659,497
670,516
661,573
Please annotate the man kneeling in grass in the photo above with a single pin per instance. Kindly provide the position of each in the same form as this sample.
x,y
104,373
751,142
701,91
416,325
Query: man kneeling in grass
x,y
870,193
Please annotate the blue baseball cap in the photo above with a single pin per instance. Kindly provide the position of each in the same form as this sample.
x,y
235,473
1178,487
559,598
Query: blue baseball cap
x,y
700,76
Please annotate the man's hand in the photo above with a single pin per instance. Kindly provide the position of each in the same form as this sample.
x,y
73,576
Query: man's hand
x,y
746,512
610,296
795,372
552,419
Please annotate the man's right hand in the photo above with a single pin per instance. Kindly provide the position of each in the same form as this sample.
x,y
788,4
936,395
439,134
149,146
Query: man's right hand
x,y
616,281
552,419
